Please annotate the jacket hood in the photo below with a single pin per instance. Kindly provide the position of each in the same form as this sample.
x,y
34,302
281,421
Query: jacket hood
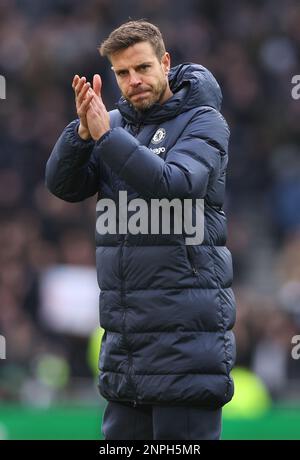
x,y
192,85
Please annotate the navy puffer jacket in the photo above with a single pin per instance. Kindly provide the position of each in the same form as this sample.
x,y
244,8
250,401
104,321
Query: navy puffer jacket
x,y
167,308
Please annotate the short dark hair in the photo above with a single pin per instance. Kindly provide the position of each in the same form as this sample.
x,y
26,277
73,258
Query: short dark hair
x,y
129,34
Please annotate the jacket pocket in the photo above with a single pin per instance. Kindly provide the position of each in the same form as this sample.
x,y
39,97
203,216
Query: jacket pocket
x,y
191,259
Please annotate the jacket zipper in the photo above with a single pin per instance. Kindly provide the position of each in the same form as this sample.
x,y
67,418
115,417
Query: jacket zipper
x,y
123,303
191,260
137,128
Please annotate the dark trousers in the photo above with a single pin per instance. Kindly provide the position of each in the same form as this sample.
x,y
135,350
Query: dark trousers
x,y
124,422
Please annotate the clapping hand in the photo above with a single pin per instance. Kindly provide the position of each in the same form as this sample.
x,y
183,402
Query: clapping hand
x,y
92,113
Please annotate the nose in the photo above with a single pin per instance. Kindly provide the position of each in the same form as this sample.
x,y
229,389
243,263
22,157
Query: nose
x,y
135,79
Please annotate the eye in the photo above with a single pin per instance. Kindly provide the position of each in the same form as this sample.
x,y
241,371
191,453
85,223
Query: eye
x,y
121,73
145,66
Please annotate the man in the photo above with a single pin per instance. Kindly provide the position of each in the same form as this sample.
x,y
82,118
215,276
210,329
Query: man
x,y
166,306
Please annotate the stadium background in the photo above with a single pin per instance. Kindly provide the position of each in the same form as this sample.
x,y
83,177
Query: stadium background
x,y
47,381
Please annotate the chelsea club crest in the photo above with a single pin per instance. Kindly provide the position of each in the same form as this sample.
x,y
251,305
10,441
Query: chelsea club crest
x,y
158,136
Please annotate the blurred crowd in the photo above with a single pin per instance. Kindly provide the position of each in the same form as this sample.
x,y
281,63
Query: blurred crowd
x,y
253,48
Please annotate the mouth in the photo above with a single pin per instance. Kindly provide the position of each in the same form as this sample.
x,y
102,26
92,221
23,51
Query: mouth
x,y
139,94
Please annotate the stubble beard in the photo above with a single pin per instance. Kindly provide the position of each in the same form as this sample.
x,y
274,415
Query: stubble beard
x,y
155,96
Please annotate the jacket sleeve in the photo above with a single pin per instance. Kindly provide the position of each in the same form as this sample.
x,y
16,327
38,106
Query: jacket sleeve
x,y
189,165
72,171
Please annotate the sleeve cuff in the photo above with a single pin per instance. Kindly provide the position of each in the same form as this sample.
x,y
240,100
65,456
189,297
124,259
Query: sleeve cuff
x,y
75,139
105,135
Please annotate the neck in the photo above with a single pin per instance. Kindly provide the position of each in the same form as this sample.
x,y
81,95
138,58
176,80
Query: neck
x,y
167,94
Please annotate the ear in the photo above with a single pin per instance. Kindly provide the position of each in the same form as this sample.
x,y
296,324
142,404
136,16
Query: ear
x,y
166,62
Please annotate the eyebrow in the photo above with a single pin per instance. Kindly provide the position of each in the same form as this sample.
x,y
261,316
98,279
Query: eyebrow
x,y
136,67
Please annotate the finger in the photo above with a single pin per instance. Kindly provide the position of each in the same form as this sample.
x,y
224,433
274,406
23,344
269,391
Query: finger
x,y
94,106
75,81
98,107
83,92
85,104
79,85
97,84
98,101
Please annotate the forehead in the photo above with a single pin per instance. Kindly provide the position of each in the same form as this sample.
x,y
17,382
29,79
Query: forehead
x,y
133,55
